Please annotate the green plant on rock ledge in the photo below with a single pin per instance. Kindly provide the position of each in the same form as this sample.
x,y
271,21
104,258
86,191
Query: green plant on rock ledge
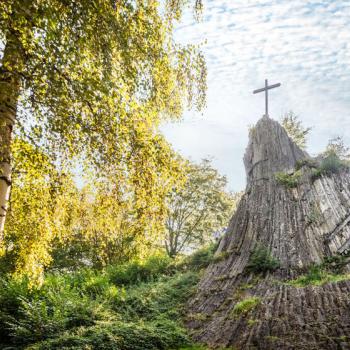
x,y
314,216
245,306
308,162
288,180
261,260
330,270
329,165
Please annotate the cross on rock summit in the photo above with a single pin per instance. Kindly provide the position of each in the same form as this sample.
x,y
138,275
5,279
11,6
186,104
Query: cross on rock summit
x,y
266,89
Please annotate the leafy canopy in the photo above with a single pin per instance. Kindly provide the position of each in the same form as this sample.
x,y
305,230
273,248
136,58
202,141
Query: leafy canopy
x,y
97,78
198,209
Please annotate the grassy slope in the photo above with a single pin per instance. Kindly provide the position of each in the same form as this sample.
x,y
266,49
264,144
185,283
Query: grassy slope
x,y
136,306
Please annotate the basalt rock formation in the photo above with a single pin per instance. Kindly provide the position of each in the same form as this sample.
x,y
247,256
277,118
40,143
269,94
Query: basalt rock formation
x,y
300,216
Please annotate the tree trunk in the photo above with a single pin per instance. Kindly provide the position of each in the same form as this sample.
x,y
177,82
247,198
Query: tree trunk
x,y
9,92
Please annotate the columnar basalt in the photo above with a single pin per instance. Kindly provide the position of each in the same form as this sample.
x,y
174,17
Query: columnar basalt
x,y
300,223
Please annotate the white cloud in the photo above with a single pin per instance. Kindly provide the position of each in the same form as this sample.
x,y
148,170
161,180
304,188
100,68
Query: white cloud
x,y
304,44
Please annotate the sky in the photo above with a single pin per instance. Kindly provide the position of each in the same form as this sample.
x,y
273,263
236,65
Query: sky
x,y
303,44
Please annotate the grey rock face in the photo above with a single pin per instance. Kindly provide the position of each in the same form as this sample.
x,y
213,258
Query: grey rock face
x,y
270,150
300,226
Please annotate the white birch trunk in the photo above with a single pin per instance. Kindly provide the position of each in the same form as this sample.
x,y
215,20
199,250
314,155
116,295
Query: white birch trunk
x,y
9,92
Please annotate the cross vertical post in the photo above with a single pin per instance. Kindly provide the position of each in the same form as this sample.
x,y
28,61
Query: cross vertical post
x,y
266,90
266,98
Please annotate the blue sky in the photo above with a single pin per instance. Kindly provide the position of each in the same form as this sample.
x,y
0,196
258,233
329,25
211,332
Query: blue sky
x,y
303,44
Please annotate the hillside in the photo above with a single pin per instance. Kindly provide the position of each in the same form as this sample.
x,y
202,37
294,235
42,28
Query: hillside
x,y
134,306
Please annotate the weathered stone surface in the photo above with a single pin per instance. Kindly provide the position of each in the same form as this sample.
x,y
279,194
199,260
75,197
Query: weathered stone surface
x,y
300,226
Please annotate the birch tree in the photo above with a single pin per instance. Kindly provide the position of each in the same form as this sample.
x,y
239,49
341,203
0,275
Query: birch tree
x,y
94,79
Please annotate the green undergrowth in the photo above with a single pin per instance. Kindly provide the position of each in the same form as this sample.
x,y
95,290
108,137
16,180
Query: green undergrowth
x,y
134,306
330,270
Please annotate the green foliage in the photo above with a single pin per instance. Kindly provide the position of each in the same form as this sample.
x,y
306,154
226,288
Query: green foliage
x,y
141,271
336,146
100,309
91,82
306,162
261,260
330,270
200,259
314,215
197,209
245,305
336,263
316,276
295,129
161,334
329,165
288,180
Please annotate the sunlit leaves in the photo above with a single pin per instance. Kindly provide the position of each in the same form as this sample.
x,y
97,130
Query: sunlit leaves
x,y
97,79
197,209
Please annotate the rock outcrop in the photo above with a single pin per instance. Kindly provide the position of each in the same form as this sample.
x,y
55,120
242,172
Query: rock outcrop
x,y
300,219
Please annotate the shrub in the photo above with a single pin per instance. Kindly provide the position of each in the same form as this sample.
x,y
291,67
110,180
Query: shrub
x,y
199,259
314,215
328,271
288,180
11,292
336,263
52,312
151,300
261,260
136,271
37,321
311,163
331,164
161,334
99,309
246,305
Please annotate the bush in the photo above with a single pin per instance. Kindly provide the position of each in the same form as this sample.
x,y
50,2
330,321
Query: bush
x,y
136,271
199,259
246,305
161,334
11,292
288,180
331,164
311,163
148,301
106,309
261,260
330,270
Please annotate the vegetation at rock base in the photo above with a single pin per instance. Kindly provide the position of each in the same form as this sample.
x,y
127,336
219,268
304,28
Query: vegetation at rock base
x,y
261,260
138,305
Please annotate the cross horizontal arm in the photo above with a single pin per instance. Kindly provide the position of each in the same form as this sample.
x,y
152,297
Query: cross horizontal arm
x,y
266,88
